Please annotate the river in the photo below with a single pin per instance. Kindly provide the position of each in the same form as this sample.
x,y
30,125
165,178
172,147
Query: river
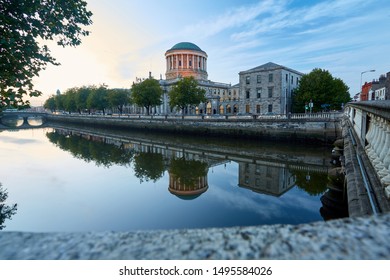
x,y
78,179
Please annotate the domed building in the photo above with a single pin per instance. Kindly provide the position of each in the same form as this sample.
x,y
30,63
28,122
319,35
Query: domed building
x,y
261,90
184,60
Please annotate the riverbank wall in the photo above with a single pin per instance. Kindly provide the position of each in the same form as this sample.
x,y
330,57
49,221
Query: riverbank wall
x,y
321,130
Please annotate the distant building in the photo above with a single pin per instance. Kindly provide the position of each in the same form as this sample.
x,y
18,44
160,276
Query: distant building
x,y
268,89
187,59
264,89
377,89
365,91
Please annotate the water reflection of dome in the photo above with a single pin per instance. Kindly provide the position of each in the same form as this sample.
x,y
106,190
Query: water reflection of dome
x,y
187,191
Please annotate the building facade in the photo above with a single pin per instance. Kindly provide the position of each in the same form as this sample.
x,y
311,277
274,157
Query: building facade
x,y
261,90
267,89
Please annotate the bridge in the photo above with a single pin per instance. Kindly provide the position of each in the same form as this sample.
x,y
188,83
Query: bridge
x,y
366,133
23,119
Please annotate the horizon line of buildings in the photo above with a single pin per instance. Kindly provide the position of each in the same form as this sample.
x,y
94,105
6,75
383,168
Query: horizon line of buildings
x,y
265,89
375,90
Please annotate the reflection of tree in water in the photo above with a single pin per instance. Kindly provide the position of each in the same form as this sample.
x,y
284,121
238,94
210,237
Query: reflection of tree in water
x,y
313,183
148,166
6,211
188,172
99,152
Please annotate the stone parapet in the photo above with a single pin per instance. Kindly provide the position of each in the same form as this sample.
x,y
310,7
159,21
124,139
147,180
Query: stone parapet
x,y
364,238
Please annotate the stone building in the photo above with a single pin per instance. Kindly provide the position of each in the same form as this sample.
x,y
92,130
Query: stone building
x,y
187,59
268,178
261,90
268,89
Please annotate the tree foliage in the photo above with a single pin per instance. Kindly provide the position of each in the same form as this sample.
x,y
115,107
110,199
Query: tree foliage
x,y
118,98
146,94
148,166
6,211
186,92
88,98
25,26
325,91
97,99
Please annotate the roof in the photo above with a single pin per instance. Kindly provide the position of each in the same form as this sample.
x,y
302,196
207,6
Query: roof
x,y
270,66
186,46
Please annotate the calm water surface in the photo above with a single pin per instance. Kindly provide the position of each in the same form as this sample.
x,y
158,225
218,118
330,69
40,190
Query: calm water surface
x,y
81,180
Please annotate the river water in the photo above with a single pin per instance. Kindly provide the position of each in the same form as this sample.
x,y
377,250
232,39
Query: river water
x,y
65,179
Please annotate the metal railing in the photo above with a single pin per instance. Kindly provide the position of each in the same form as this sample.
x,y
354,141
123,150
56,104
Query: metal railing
x,y
236,117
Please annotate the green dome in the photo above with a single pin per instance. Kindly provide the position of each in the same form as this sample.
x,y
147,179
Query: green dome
x,y
186,46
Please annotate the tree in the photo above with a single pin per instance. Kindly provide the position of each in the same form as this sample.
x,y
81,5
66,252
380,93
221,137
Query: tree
x,y
24,27
60,100
70,96
6,211
97,99
186,92
118,98
50,104
82,97
325,91
148,166
146,94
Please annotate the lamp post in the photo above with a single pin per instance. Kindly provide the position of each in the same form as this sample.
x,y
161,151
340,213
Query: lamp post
x,y
361,75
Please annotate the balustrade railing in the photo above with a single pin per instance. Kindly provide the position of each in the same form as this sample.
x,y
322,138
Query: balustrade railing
x,y
373,127
298,116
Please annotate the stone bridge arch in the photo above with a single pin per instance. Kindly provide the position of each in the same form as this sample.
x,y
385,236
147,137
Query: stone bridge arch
x,y
23,119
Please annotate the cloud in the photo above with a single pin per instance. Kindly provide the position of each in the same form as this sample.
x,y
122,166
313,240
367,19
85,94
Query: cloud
x,y
232,18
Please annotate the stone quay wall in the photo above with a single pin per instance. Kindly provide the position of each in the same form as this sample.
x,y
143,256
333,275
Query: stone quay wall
x,y
321,130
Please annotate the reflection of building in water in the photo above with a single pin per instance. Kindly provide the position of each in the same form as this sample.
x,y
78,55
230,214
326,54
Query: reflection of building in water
x,y
187,191
257,174
267,178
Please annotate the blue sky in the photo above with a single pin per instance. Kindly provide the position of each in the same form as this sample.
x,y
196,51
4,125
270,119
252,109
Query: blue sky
x,y
129,39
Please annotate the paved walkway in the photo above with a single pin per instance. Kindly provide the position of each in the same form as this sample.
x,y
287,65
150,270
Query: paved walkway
x,y
351,238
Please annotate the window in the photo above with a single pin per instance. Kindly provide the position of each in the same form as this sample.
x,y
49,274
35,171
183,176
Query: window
x,y
259,93
258,109
270,78
190,63
179,62
292,79
286,78
247,108
297,80
248,80
248,94
259,79
270,92
270,108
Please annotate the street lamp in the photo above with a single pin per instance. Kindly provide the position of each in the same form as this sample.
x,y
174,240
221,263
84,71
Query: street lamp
x,y
361,75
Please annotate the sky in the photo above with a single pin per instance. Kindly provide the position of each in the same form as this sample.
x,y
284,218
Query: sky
x,y
129,39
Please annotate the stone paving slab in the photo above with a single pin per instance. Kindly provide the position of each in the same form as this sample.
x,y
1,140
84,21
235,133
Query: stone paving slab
x,y
351,238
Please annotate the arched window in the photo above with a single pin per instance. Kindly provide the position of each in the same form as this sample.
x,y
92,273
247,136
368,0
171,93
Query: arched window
x,y
221,110
208,108
228,109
